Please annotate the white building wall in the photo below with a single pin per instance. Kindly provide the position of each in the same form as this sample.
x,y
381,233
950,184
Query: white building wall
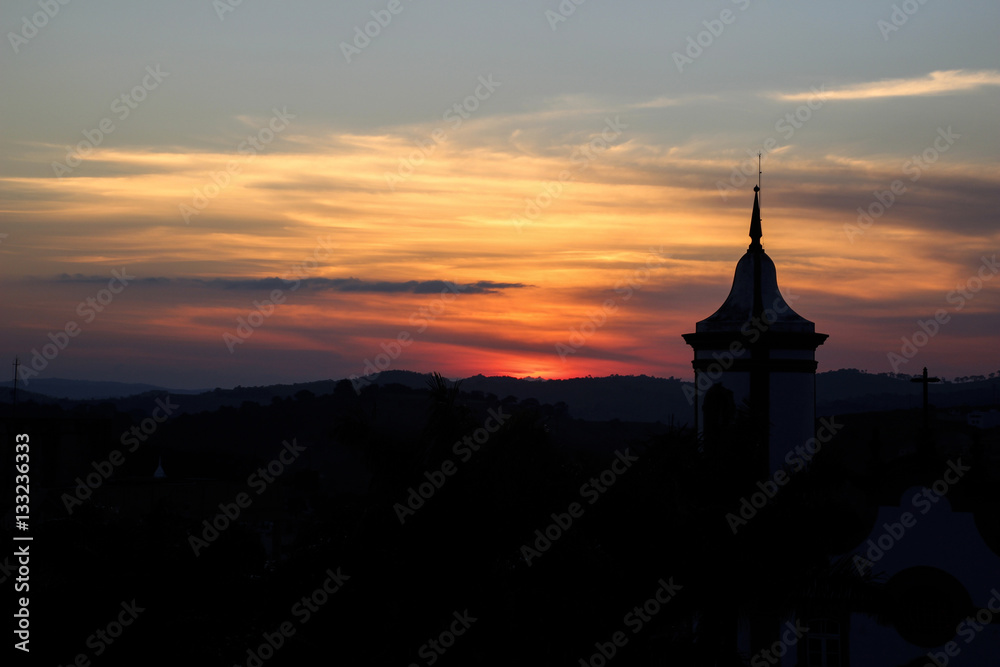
x,y
792,406
938,538
793,419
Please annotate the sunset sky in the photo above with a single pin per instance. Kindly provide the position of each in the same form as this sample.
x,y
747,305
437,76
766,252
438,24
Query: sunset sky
x,y
529,160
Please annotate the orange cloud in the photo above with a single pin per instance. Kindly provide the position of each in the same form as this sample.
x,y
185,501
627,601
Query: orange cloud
x,y
941,82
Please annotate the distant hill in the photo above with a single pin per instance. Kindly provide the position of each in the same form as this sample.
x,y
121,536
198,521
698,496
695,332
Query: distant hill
x,y
635,398
850,391
83,390
647,398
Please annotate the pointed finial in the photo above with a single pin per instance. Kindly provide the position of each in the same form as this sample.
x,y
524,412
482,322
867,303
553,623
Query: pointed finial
x,y
755,230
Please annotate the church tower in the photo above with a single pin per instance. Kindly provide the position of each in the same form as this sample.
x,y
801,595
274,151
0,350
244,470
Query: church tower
x,y
755,366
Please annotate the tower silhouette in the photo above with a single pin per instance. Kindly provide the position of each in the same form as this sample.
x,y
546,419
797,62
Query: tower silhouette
x,y
762,351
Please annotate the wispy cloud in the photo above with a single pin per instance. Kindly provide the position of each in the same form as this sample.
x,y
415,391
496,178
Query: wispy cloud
x,y
359,285
321,284
941,82
664,101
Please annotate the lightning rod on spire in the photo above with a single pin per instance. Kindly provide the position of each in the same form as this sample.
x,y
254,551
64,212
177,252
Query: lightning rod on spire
x,y
758,170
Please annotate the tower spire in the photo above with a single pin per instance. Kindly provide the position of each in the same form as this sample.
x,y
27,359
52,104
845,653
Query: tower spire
x,y
755,230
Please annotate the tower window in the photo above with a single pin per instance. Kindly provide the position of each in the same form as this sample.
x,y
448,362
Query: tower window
x,y
824,644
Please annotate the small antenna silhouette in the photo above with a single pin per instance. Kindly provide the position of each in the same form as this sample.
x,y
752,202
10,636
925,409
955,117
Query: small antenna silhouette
x,y
758,176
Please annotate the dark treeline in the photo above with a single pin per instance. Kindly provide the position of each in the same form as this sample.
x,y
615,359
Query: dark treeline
x,y
434,505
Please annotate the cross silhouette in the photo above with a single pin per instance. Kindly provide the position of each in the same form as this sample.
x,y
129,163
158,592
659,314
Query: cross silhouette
x,y
923,379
